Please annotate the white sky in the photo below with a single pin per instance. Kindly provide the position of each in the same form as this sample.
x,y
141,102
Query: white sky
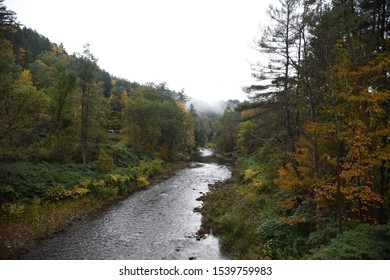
x,y
203,46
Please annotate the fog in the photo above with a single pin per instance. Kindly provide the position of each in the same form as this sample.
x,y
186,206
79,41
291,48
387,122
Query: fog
x,y
216,107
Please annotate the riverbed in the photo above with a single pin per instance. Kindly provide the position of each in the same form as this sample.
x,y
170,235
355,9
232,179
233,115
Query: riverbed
x,y
160,222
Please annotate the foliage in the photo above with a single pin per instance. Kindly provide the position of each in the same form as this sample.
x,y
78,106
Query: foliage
x,y
279,240
365,242
157,124
319,113
22,182
74,138
63,108
224,136
312,141
37,200
104,163
236,209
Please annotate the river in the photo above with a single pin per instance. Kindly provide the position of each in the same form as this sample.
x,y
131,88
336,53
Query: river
x,y
153,224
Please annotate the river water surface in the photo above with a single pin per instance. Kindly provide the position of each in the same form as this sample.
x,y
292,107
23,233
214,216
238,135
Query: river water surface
x,y
157,223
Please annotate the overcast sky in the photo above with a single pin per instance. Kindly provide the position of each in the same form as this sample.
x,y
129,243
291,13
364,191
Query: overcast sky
x,y
203,46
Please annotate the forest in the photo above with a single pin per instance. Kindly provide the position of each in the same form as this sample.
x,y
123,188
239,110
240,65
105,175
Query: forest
x,y
310,145
74,138
312,142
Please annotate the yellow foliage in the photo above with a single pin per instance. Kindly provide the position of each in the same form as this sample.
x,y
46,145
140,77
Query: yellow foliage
x,y
325,192
287,180
182,107
57,49
289,203
77,192
142,181
293,220
250,174
112,98
26,75
13,209
124,98
249,113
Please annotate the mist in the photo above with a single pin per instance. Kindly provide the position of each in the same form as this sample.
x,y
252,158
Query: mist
x,y
216,107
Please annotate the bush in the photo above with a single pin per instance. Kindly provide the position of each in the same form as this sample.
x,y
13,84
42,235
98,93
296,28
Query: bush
x,y
126,157
234,230
365,242
27,180
104,163
122,182
142,181
101,189
327,229
280,240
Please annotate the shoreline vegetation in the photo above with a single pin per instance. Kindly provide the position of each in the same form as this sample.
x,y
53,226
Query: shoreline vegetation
x,y
24,225
244,213
312,177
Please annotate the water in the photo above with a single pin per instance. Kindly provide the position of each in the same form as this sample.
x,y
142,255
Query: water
x,y
157,223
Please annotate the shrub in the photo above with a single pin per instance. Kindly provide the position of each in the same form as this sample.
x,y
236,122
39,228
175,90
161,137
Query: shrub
x,y
280,240
142,181
326,230
13,209
104,163
235,234
158,166
101,189
365,242
7,193
125,158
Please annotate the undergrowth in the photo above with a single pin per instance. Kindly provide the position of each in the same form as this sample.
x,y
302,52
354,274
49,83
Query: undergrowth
x,y
244,213
38,200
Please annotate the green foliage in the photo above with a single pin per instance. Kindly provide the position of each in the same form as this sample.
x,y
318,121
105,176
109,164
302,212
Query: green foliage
x,y
224,137
237,234
365,242
127,157
101,189
104,163
26,180
157,124
51,182
280,240
23,182
326,230
22,112
59,108
149,167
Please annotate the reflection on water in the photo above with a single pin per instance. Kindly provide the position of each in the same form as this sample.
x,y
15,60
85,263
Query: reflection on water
x,y
157,223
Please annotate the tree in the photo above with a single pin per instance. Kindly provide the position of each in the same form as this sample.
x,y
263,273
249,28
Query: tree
x,y
90,87
156,123
226,131
7,19
22,112
277,79
345,102
51,72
